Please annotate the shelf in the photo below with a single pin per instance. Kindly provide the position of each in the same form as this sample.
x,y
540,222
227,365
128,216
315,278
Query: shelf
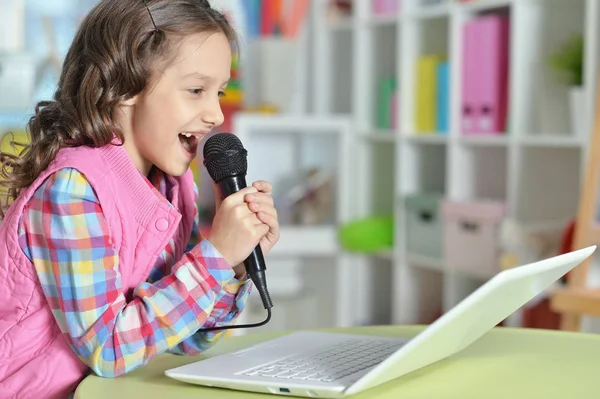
x,y
375,179
425,262
550,183
382,20
430,12
378,135
426,303
424,168
484,5
475,276
307,241
533,165
426,138
489,140
379,96
482,172
552,141
341,24
385,255
427,51
290,124
341,71
541,94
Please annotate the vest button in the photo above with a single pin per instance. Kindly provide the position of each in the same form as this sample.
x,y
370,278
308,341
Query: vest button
x,y
162,224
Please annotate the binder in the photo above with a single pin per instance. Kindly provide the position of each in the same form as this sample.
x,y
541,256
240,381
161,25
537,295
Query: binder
x,y
485,75
295,18
252,10
381,7
387,87
425,96
442,97
276,15
492,32
267,19
468,82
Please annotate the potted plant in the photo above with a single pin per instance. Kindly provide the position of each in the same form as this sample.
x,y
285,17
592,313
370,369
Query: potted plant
x,y
568,62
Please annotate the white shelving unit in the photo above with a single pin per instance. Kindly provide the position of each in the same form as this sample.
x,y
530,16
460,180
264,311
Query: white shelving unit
x,y
311,281
535,167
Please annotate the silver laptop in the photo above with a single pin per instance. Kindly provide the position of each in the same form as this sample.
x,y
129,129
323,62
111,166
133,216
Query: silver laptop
x,y
329,365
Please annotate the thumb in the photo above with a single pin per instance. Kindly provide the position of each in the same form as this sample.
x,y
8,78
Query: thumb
x,y
235,198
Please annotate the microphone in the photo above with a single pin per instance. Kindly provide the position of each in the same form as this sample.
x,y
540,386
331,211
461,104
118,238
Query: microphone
x,y
226,163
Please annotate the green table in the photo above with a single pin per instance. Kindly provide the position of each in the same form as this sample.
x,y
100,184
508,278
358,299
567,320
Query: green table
x,y
504,363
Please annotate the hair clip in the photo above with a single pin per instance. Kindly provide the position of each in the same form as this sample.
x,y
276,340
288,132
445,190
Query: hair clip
x,y
151,17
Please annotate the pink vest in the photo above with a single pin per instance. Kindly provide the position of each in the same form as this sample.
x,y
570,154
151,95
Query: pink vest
x,y
35,358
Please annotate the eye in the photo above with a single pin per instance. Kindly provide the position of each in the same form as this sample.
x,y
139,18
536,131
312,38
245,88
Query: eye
x,y
196,91
222,94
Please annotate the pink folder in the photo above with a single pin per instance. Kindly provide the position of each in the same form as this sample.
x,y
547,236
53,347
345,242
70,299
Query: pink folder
x,y
385,6
469,60
491,73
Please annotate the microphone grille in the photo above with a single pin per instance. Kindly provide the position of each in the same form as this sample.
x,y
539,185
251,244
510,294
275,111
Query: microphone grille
x,y
224,155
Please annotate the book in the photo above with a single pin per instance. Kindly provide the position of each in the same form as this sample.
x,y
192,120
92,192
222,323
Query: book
x,y
426,93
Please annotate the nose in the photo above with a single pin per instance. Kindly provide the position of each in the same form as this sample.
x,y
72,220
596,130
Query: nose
x,y
212,113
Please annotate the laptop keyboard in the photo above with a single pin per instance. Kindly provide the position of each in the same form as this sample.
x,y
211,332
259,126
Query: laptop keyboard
x,y
336,362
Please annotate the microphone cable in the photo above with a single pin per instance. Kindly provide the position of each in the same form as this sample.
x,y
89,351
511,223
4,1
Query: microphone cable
x,y
262,323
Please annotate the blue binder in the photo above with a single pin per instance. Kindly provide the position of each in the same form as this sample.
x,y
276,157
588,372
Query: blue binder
x,y
443,97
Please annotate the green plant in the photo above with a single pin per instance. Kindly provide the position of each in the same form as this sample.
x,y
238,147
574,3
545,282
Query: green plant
x,y
568,60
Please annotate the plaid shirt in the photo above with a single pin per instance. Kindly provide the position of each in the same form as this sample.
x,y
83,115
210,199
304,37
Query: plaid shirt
x,y
64,233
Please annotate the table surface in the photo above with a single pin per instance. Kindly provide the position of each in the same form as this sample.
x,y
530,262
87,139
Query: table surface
x,y
504,363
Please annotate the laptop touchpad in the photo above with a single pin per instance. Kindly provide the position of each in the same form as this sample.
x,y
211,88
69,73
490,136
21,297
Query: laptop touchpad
x,y
270,348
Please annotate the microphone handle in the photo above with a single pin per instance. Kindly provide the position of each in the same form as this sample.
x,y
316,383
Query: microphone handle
x,y
232,184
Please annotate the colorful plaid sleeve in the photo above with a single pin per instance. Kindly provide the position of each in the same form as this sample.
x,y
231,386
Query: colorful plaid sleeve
x,y
228,304
66,237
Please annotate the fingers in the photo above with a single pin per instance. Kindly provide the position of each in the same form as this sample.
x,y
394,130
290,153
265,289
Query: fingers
x,y
267,209
262,230
242,211
260,202
255,203
238,197
252,219
271,221
263,186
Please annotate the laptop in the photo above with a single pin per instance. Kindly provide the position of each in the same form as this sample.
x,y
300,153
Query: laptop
x,y
331,365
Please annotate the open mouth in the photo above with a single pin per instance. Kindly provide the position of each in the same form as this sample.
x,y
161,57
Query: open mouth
x,y
189,142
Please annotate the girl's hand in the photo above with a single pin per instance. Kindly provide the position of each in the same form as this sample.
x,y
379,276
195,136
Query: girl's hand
x,y
236,230
261,203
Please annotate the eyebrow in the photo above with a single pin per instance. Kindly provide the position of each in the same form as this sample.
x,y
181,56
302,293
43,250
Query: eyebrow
x,y
202,76
197,75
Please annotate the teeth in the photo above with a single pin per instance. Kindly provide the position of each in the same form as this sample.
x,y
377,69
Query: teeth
x,y
187,134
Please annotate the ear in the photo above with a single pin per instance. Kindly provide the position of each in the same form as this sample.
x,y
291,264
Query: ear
x,y
130,101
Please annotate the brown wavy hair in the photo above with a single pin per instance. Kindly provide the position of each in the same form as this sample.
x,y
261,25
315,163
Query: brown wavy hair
x,y
115,51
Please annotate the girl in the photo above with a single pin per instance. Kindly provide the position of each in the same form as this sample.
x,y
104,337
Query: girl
x,y
93,259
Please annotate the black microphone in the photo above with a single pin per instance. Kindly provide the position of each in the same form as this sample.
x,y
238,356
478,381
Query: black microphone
x,y
226,163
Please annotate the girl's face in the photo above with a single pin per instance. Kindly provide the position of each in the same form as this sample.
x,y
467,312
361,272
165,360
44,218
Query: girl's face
x,y
164,124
